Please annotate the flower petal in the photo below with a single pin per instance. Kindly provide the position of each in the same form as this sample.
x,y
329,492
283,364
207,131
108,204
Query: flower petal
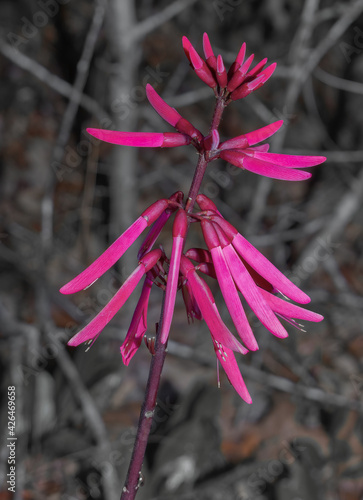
x,y
206,304
221,73
289,310
229,363
274,171
108,258
161,107
207,48
140,139
252,294
259,66
228,287
201,68
240,74
180,228
261,134
292,161
261,264
241,160
108,312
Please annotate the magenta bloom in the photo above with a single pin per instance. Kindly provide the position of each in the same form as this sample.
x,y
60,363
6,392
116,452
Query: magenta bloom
x,y
237,266
240,80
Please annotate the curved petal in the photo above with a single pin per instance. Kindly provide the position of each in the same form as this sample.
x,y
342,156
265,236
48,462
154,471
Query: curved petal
x,y
252,138
232,299
229,363
261,264
108,312
274,171
252,293
290,310
292,161
107,259
206,304
140,139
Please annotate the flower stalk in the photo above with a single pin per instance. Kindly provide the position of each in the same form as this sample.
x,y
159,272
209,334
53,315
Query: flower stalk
x,y
229,258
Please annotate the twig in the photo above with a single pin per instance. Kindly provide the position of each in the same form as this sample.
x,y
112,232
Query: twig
x,y
53,81
338,83
67,121
140,30
267,379
345,210
352,11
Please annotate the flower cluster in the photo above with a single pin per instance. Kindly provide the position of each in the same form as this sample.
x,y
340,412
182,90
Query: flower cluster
x,y
228,257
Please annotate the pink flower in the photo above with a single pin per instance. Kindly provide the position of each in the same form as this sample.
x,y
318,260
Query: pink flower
x,y
239,152
239,82
224,342
94,328
234,258
117,249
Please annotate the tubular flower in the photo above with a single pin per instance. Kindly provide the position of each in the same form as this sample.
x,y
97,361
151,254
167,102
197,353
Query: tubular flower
x,y
237,266
240,80
241,267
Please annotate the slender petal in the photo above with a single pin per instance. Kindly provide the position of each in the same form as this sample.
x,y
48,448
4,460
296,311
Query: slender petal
x,y
116,250
180,227
108,312
228,287
240,74
138,325
206,304
259,66
191,305
291,161
250,85
221,73
161,107
261,264
201,68
229,364
252,293
207,48
141,139
238,62
261,134
288,310
186,46
263,168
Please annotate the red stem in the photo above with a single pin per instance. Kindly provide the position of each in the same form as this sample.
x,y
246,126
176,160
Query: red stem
x,y
133,479
204,157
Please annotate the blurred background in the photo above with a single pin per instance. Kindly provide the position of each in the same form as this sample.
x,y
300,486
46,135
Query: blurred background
x,y
69,65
